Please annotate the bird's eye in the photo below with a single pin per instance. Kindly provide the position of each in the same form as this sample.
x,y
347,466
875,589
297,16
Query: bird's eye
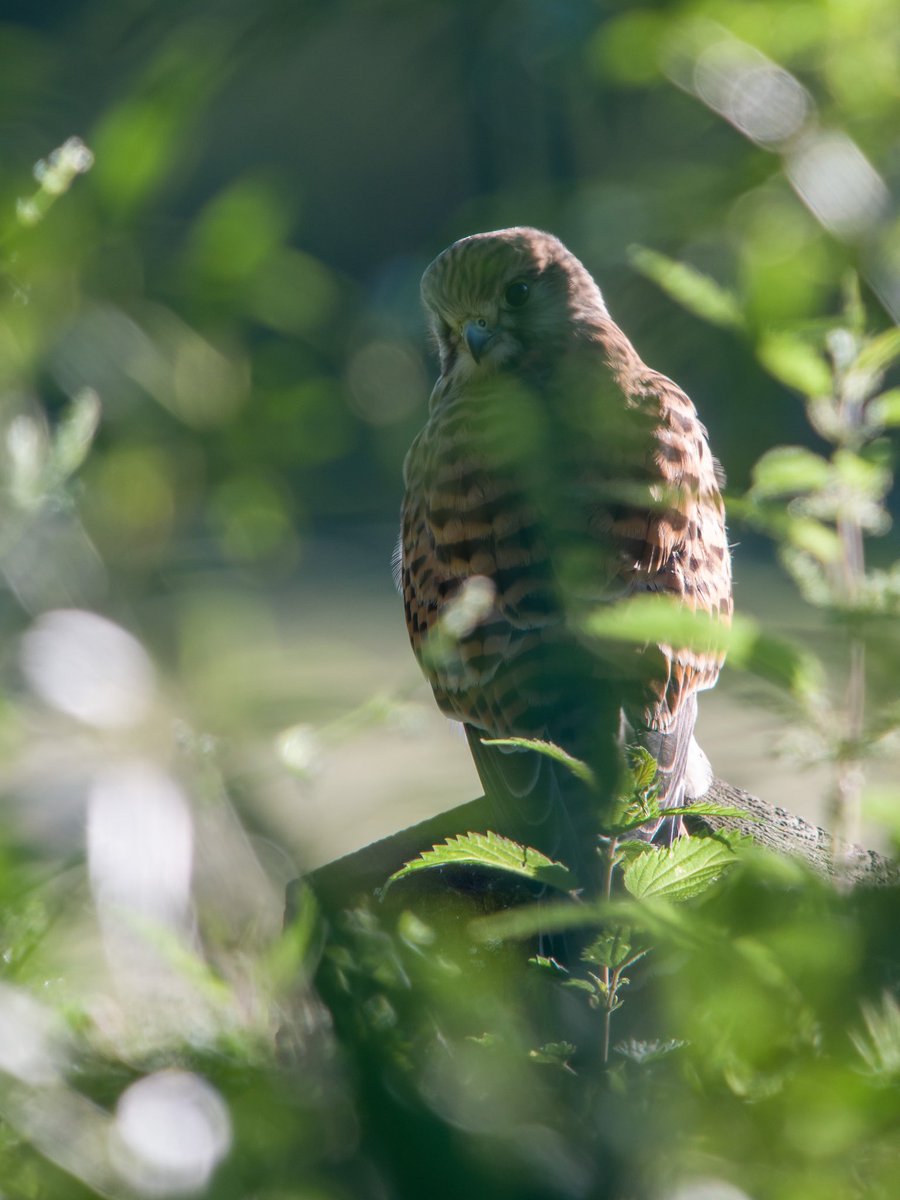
x,y
517,294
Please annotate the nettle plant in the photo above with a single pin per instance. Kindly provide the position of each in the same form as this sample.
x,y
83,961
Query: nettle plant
x,y
672,873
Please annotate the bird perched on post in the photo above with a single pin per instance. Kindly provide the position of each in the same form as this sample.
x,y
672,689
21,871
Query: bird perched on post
x,y
555,472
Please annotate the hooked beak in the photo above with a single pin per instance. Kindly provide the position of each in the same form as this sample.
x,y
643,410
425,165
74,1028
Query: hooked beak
x,y
477,337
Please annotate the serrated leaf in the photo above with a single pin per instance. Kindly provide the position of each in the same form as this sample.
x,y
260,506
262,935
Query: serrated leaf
x,y
550,750
490,850
646,1052
708,808
789,471
549,965
677,872
581,985
795,363
693,290
556,1054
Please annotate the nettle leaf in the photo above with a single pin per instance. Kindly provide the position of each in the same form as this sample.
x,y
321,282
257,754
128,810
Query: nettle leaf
x,y
680,871
789,471
646,1052
550,750
549,966
556,1054
795,363
690,288
708,808
490,850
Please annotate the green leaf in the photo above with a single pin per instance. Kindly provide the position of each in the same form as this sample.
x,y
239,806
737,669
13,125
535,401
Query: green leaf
x,y
75,434
531,919
707,808
693,290
680,871
795,363
878,354
490,850
549,966
646,1052
581,985
813,537
661,619
884,410
789,471
556,1054
578,768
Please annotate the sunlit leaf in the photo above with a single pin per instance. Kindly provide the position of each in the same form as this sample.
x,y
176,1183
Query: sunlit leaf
x,y
795,363
693,290
555,1054
578,768
707,808
661,619
789,471
680,871
490,850
879,1045
880,353
884,410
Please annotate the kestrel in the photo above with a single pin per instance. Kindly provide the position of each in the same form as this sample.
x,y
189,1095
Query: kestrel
x,y
556,472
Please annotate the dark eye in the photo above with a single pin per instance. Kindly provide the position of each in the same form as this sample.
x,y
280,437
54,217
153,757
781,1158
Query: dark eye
x,y
517,294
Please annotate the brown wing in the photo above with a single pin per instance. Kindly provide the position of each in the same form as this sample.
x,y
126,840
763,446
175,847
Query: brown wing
x,y
676,546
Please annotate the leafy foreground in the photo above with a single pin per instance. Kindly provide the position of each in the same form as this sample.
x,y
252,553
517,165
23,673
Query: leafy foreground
x,y
721,1019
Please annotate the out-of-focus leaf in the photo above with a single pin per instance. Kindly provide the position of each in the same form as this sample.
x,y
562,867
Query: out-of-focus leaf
x,y
661,619
690,288
646,1052
578,768
789,471
879,1045
531,919
555,1054
813,537
665,621
490,850
680,871
795,363
75,434
884,410
878,354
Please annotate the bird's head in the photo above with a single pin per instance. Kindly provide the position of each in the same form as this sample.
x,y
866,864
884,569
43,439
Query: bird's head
x,y
497,299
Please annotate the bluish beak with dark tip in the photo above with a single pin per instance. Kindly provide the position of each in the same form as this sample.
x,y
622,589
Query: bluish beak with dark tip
x,y
477,335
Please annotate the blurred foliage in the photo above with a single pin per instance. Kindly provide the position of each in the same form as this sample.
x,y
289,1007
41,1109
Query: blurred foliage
x,y
211,359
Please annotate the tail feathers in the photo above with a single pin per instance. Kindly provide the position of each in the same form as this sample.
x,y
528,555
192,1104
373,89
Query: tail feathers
x,y
683,770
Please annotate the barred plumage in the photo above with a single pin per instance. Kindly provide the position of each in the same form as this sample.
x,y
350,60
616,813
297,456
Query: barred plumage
x,y
560,468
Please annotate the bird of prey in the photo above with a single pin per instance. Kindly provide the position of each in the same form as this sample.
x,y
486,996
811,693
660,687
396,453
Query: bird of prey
x,y
556,472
